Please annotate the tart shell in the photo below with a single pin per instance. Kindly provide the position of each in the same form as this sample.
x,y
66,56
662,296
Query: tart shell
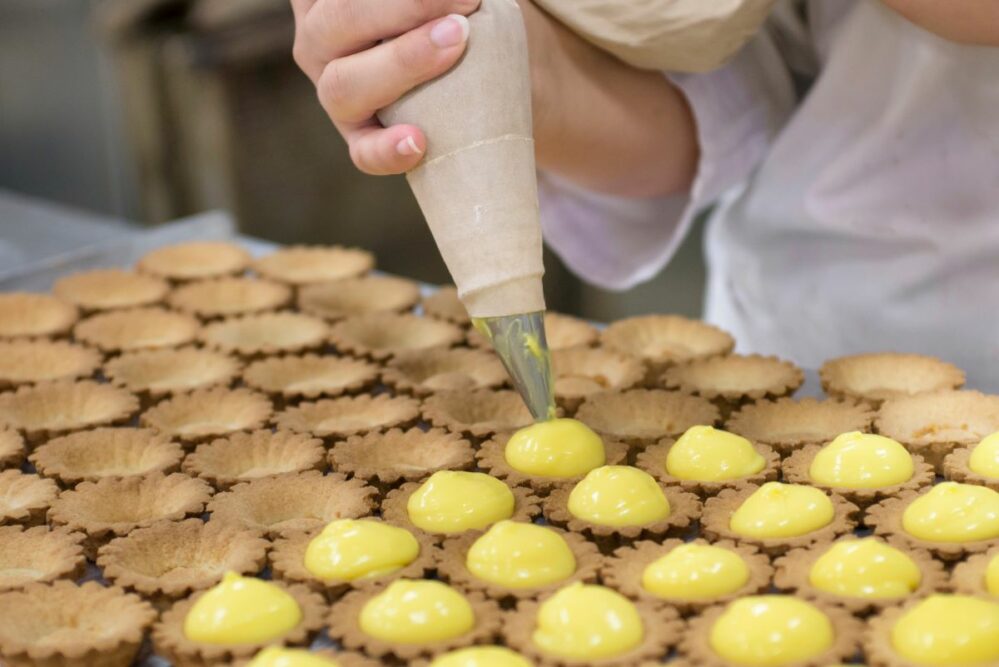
x,y
12,450
334,419
477,414
40,554
28,315
154,374
381,336
265,334
195,260
788,424
45,411
358,296
133,329
225,297
205,414
292,378
25,499
955,468
305,265
969,576
641,417
29,361
242,457
652,460
107,289
875,378
426,372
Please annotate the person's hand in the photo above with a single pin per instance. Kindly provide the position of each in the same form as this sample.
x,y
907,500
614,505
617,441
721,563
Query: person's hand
x,y
363,55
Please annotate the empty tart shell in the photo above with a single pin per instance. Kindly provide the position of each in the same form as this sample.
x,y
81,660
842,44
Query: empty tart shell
x,y
25,314
358,296
933,424
305,265
46,410
561,333
955,468
424,372
242,457
875,378
349,415
223,297
969,577
491,457
310,376
107,289
386,459
64,624
209,413
643,416
345,628
380,336
282,506
265,334
717,515
444,304
169,560
479,414
39,555
583,371
794,570
287,559
25,498
136,329
788,424
624,569
662,630
12,450
154,374
663,340
796,469
112,507
88,456
31,361
653,461
195,260
170,642
453,569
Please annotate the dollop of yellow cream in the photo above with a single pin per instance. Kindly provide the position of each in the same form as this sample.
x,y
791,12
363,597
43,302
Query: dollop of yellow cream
x,y
584,621
695,572
949,630
992,576
482,656
520,555
417,612
952,512
453,501
861,461
618,496
275,656
770,630
707,454
349,549
984,459
865,568
782,510
241,610
555,448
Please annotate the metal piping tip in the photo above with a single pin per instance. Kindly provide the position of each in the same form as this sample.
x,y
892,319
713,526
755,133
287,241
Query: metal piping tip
x,y
520,342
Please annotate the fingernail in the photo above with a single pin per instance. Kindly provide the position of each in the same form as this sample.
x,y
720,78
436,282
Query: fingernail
x,y
450,31
407,147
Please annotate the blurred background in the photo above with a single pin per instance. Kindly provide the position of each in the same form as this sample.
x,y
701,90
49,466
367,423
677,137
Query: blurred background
x,y
150,110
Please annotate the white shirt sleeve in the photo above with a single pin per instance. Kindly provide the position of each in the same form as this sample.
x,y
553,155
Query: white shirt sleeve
x,y
617,242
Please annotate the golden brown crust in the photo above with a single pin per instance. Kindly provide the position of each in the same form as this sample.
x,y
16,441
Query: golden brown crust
x,y
425,372
386,459
641,417
380,336
310,376
477,414
663,340
195,260
224,297
349,415
788,424
12,451
27,315
304,265
39,555
444,304
154,374
133,329
955,468
358,296
30,361
241,457
583,371
87,456
252,336
205,414
875,378
107,289
735,378
25,499
47,410
968,577
652,460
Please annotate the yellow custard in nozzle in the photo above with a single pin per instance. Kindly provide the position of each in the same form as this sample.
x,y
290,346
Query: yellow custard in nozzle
x,y
865,568
241,610
275,656
695,572
952,512
771,630
520,555
984,459
949,630
618,496
555,448
861,461
417,612
782,510
349,549
992,576
481,656
453,501
584,621
707,454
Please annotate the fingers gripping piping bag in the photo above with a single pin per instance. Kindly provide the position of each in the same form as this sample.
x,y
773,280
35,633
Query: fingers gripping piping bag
x,y
477,188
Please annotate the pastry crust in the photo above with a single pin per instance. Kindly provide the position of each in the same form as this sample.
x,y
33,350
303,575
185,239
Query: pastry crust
x,y
653,461
12,451
305,265
29,361
107,289
254,336
25,499
581,372
444,304
381,336
242,457
426,372
39,555
968,577
335,419
875,378
87,456
155,374
663,340
311,376
205,414
477,414
955,468
44,411
334,301
27,315
195,260
132,329
225,297
641,417
789,424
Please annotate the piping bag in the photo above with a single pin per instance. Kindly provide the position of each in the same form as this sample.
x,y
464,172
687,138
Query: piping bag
x,y
477,188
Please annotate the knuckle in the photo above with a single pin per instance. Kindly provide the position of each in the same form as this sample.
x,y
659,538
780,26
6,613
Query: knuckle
x,y
300,54
334,90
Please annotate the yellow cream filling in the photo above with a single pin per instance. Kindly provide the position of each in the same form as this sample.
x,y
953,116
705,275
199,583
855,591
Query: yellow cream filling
x,y
453,501
865,568
349,549
861,461
618,496
949,630
584,621
696,572
984,459
952,512
782,510
707,454
770,630
481,656
275,656
241,610
556,448
417,612
992,576
520,555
